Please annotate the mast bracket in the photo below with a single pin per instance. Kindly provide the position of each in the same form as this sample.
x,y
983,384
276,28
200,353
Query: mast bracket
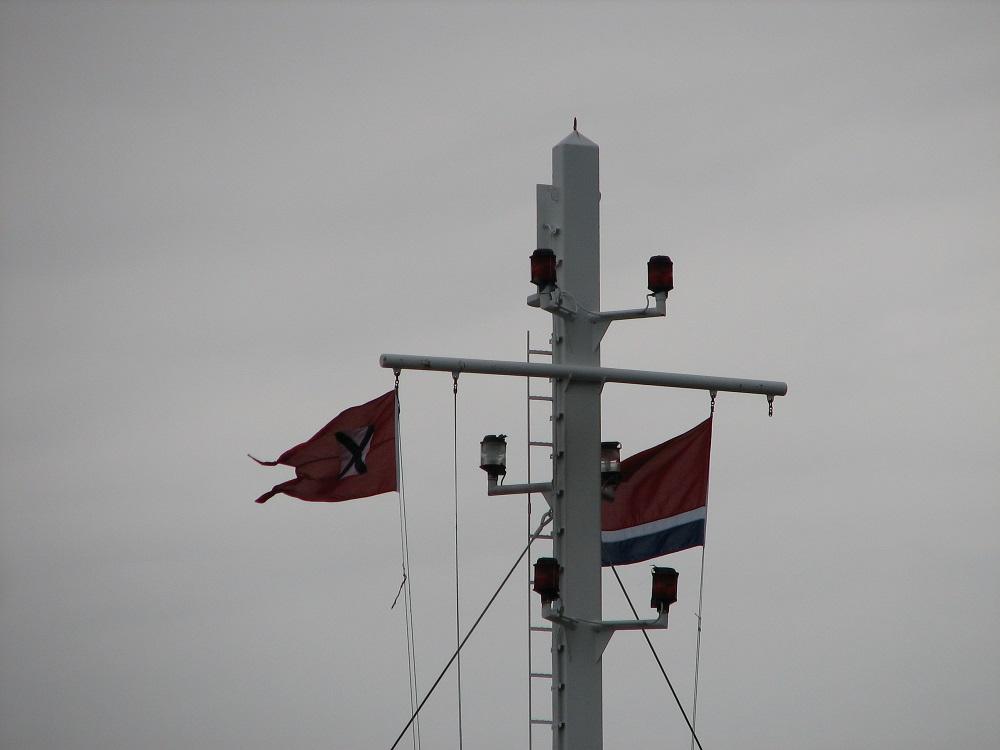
x,y
493,489
604,628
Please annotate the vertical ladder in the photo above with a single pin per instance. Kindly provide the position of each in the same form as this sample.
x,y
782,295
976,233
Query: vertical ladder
x,y
538,629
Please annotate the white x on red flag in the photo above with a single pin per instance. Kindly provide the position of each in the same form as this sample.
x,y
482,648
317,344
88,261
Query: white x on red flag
x,y
352,456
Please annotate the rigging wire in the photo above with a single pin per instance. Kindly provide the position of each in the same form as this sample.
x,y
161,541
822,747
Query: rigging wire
x,y
697,648
657,657
701,592
404,586
458,626
544,522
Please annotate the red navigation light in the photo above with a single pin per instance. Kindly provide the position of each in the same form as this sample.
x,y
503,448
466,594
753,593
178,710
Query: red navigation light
x,y
543,268
660,274
547,579
664,588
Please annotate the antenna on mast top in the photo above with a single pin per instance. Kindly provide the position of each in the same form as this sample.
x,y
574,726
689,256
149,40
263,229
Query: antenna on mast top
x,y
574,124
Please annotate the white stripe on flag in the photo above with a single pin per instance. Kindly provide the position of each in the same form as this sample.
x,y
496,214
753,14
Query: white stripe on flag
x,y
644,529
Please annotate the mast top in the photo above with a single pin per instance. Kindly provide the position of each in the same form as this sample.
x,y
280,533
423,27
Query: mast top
x,y
576,138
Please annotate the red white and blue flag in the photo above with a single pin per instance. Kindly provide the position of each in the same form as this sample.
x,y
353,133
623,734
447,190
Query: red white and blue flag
x,y
661,503
353,456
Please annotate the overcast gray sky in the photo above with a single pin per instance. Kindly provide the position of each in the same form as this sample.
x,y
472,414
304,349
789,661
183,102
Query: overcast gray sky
x,y
215,216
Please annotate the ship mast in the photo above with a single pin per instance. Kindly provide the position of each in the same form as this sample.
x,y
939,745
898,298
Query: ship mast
x,y
569,223
568,228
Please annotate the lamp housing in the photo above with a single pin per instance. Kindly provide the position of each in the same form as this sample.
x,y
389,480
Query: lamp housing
x,y
546,579
660,274
611,462
543,268
493,455
664,589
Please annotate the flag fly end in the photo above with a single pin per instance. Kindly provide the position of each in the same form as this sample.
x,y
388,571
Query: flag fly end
x,y
263,463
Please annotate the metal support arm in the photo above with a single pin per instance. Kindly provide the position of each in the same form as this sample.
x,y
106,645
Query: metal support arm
x,y
604,629
556,302
601,321
555,615
583,373
658,311
563,304
493,489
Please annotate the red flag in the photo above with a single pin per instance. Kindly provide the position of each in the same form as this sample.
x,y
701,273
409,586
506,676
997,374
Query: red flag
x,y
661,502
353,456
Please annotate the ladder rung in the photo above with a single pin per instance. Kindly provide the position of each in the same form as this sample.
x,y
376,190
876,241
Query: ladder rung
x,y
544,536
546,352
541,721
539,398
540,443
540,628
542,675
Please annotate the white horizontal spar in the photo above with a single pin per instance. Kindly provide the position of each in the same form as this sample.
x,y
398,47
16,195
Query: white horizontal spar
x,y
583,373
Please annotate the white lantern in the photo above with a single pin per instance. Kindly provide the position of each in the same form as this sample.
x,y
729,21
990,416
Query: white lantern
x,y
493,455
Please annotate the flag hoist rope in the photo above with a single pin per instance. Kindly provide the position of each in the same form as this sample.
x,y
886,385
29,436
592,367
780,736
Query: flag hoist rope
x,y
701,591
404,586
697,648
542,524
458,622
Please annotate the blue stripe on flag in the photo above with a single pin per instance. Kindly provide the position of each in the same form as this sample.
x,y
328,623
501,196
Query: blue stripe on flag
x,y
653,545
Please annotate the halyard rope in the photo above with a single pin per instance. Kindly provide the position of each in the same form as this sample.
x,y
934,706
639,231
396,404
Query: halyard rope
x,y
458,623
544,522
404,586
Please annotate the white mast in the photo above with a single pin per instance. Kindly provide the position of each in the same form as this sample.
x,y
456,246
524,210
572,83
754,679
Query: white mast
x,y
569,224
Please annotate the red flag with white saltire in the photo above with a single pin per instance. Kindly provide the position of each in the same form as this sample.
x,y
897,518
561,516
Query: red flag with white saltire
x,y
353,456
